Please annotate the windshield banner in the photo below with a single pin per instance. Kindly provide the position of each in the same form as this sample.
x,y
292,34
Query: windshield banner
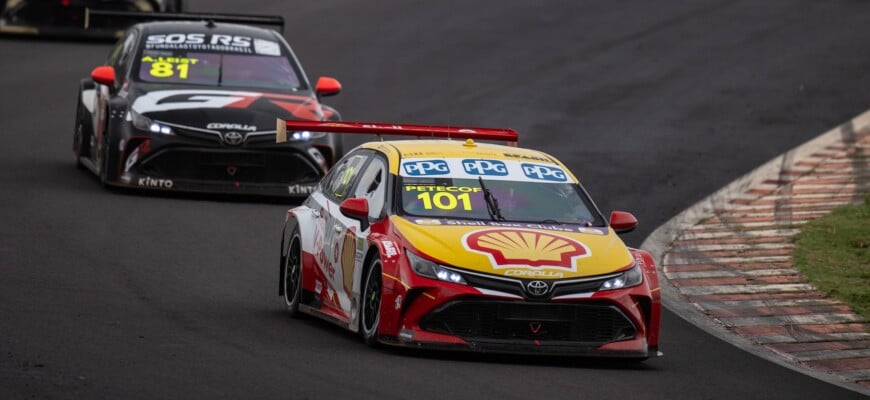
x,y
488,169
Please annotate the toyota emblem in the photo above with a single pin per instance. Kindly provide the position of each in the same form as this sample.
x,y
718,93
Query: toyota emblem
x,y
537,288
233,138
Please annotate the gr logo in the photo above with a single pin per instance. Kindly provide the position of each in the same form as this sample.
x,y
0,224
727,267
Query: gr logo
x,y
544,172
484,167
426,168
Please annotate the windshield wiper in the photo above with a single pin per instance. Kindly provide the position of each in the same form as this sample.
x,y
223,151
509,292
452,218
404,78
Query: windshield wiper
x,y
491,202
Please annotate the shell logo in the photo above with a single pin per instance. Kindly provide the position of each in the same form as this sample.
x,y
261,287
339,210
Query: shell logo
x,y
526,248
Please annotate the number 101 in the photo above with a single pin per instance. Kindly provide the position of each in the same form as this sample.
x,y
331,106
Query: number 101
x,y
445,200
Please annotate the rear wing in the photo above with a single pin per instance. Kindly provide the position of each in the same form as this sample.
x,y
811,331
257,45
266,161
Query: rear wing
x,y
379,128
99,18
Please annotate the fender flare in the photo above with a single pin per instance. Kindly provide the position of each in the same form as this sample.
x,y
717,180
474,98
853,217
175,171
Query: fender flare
x,y
300,217
651,277
84,118
117,130
390,256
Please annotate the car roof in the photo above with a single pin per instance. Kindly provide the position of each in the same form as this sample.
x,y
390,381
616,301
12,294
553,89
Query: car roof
x,y
395,150
167,27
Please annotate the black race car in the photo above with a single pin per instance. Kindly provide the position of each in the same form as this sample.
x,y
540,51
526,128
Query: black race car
x,y
191,106
69,17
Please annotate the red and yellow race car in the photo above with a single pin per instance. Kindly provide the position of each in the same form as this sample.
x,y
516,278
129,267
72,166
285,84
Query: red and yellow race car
x,y
464,245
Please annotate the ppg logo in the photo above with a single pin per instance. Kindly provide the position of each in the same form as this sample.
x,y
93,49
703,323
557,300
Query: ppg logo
x,y
544,173
484,167
426,168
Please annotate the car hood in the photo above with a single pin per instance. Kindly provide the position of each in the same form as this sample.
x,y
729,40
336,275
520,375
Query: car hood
x,y
239,110
516,249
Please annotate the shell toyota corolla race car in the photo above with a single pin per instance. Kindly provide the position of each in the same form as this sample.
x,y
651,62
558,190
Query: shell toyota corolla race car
x,y
191,106
464,245
69,17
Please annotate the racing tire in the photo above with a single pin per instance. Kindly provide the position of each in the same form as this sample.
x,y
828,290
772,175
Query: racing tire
x,y
81,144
370,313
108,158
293,275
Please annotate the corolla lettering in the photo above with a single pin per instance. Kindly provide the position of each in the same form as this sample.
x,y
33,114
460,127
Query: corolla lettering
x,y
228,126
533,273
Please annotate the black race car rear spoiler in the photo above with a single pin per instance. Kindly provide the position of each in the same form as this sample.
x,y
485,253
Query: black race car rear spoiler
x,y
380,128
97,18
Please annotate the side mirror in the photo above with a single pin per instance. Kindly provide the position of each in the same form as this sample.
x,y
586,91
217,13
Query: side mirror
x,y
327,86
356,208
104,75
622,222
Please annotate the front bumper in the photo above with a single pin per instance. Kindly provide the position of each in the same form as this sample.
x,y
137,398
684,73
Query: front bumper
x,y
487,326
592,329
273,172
419,312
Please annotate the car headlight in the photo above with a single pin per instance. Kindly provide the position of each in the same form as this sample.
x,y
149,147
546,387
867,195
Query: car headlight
x,y
306,135
147,124
433,270
632,277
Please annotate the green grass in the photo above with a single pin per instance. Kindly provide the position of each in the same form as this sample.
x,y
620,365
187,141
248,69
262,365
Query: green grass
x,y
834,253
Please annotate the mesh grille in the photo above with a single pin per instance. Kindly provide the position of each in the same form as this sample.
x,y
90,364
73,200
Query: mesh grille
x,y
229,166
590,322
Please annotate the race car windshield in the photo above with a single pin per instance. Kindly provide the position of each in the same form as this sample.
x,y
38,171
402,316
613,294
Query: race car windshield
x,y
518,201
217,69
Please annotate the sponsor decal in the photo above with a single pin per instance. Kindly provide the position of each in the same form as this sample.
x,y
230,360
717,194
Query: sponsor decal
x,y
426,168
528,157
297,189
527,273
435,165
318,287
390,250
638,258
484,167
544,172
526,225
373,126
199,41
165,100
150,182
230,126
168,67
301,107
428,221
398,304
406,335
348,251
438,188
266,47
131,160
518,248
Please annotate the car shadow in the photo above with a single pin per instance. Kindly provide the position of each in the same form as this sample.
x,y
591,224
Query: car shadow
x,y
76,178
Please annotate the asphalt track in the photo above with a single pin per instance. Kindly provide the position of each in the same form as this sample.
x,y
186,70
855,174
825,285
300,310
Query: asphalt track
x,y
107,294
